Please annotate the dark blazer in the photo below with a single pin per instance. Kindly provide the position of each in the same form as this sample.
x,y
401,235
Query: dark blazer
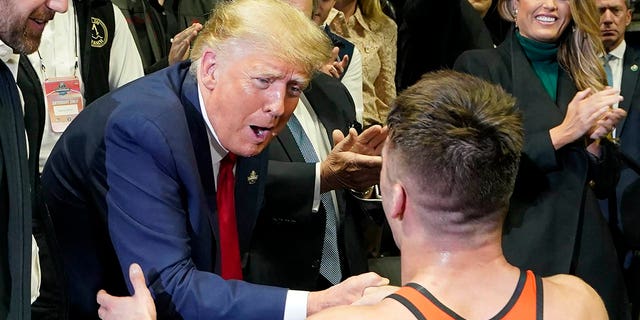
x,y
432,35
50,303
287,221
554,223
15,204
136,166
628,130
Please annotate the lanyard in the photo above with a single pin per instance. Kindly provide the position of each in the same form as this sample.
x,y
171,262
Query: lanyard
x,y
75,48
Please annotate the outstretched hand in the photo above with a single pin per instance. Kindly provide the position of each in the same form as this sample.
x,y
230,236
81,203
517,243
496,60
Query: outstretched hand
x,y
140,306
355,160
344,293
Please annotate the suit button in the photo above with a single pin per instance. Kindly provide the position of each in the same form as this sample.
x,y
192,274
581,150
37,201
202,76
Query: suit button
x,y
315,264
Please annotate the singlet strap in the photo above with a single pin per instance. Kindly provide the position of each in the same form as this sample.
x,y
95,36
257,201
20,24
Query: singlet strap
x,y
526,303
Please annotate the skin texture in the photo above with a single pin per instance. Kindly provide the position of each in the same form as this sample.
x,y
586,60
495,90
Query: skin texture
x,y
615,16
181,43
22,29
270,87
139,306
481,6
322,11
531,11
355,160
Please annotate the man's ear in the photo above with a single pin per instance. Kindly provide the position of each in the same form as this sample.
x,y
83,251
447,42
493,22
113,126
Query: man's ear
x,y
208,66
398,201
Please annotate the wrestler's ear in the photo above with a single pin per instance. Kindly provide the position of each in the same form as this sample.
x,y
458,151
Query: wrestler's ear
x,y
208,66
398,202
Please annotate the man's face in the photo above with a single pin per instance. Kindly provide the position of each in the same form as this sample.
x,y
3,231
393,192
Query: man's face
x,y
322,11
614,19
22,22
255,93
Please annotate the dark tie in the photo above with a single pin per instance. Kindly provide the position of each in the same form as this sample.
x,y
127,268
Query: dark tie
x,y
607,68
227,227
330,263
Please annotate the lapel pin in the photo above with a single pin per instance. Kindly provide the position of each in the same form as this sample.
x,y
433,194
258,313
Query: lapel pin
x,y
634,67
253,177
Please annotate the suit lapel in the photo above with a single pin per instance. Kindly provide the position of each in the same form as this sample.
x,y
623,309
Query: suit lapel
x,y
629,79
250,175
200,142
289,145
331,117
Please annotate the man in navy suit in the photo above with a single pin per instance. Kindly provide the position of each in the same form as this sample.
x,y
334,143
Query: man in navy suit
x,y
623,208
133,179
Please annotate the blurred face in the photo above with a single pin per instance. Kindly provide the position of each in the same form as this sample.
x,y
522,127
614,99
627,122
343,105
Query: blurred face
x,y
22,22
614,19
481,6
252,96
322,11
543,20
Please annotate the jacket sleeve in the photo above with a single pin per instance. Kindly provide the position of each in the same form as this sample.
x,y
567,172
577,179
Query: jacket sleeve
x,y
149,220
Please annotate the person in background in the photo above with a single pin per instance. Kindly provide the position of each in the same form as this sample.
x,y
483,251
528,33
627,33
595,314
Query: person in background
x,y
551,63
155,29
21,28
168,172
621,206
347,63
363,23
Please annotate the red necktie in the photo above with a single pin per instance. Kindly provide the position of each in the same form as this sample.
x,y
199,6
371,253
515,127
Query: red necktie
x,y
227,226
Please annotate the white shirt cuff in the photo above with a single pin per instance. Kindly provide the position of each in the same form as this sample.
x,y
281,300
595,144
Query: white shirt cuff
x,y
295,307
316,190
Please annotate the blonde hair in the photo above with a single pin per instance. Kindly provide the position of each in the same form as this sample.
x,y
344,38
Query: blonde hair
x,y
272,26
580,47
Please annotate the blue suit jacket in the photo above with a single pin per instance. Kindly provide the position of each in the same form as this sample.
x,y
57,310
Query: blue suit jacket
x,y
138,161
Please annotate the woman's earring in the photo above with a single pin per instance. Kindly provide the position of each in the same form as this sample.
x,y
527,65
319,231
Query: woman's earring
x,y
515,16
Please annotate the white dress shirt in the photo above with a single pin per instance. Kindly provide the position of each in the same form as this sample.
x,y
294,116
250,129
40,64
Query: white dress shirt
x,y
616,63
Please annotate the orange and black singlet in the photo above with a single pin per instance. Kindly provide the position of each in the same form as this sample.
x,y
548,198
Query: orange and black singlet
x,y
525,303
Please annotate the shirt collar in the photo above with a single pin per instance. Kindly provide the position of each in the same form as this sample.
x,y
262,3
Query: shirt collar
x,y
217,150
9,58
360,19
618,52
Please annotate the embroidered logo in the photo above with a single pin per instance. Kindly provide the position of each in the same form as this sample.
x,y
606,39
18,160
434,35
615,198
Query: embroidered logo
x,y
99,34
